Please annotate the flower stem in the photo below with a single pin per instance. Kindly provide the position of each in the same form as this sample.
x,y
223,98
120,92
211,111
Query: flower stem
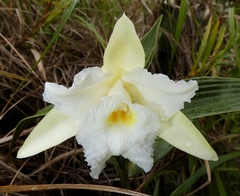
x,y
121,165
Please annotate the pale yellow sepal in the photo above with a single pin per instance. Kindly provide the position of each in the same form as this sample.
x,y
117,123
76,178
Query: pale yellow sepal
x,y
124,51
53,129
181,133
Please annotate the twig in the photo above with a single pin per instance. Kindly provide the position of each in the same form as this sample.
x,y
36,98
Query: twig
x,y
44,187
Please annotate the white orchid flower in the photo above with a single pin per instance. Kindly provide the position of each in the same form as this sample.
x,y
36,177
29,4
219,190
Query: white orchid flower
x,y
119,109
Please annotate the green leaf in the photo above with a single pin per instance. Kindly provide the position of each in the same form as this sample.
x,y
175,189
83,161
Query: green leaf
x,y
161,148
210,64
220,183
210,44
203,45
180,23
215,96
24,123
93,30
150,42
232,40
58,9
200,172
232,29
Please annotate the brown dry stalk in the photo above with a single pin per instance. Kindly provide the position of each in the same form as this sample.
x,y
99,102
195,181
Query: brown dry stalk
x,y
44,187
56,159
20,56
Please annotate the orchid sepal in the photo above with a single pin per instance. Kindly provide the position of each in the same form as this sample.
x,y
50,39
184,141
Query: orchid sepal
x,y
52,130
182,134
124,51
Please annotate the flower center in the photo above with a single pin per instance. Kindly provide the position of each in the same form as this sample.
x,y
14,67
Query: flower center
x,y
123,117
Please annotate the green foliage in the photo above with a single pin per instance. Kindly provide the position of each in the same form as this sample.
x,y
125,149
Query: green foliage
x,y
92,29
201,171
215,96
218,48
58,10
181,18
150,42
69,6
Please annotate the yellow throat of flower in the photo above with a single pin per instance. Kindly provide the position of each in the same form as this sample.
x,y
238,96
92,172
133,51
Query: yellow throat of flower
x,y
121,117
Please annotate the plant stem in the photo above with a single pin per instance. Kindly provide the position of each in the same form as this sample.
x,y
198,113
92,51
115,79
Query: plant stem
x,y
122,170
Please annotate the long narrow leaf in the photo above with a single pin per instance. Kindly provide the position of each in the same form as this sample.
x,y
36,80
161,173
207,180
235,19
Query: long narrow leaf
x,y
220,184
180,23
191,180
202,46
59,7
150,42
212,63
93,30
215,96
234,38
210,44
232,28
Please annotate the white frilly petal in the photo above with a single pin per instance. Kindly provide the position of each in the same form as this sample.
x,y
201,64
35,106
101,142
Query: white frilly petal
x,y
122,137
100,137
141,154
92,137
89,85
181,133
95,148
157,92
53,129
124,51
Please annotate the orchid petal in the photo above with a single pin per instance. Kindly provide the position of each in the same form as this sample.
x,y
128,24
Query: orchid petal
x,y
181,133
88,86
141,154
112,133
119,91
158,93
143,126
124,51
53,129
93,139
95,148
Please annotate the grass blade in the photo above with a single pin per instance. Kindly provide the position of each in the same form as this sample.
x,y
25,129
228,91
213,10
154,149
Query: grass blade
x,y
210,44
150,42
202,47
220,184
180,23
93,30
200,172
232,28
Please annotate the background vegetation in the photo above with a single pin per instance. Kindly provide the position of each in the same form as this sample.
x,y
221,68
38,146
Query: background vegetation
x,y
198,39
